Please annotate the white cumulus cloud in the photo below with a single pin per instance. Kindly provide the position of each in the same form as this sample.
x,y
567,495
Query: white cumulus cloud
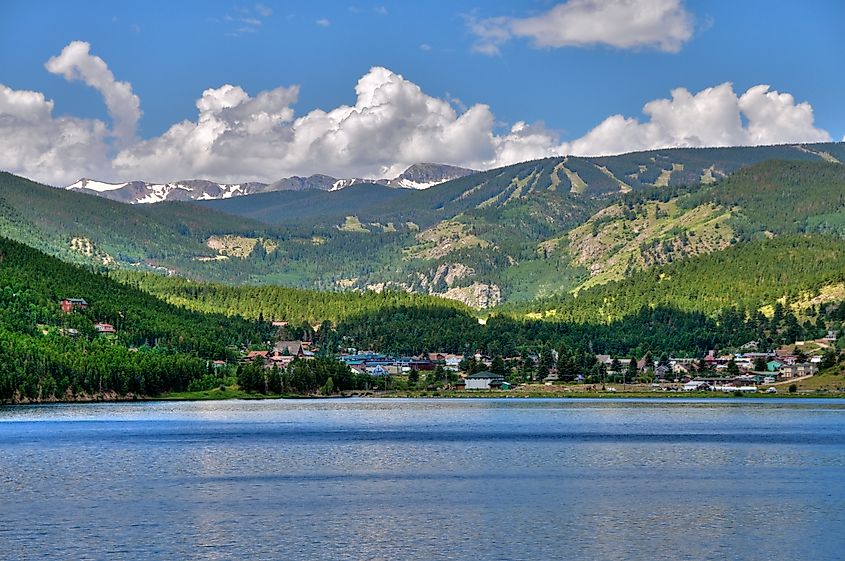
x,y
711,117
46,148
76,62
774,117
625,24
391,125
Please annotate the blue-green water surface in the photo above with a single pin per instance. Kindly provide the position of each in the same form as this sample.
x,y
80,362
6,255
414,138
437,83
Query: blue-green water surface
x,y
472,479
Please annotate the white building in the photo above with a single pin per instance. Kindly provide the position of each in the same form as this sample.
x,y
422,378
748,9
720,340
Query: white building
x,y
483,381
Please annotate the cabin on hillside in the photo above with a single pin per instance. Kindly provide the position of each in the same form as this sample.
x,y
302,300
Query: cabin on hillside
x,y
104,329
71,304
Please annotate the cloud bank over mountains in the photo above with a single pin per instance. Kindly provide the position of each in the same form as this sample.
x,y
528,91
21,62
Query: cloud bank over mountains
x,y
236,136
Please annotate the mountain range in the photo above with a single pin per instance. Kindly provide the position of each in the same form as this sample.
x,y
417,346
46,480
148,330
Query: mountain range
x,y
544,229
417,176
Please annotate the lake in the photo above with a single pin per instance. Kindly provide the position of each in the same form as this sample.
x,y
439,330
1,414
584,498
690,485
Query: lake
x,y
460,479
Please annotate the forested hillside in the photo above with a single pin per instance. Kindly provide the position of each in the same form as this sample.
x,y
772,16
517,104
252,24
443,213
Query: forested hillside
x,y
46,352
278,303
771,291
798,271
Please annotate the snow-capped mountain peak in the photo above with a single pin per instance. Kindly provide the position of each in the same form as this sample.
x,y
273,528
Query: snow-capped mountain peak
x,y
425,175
418,176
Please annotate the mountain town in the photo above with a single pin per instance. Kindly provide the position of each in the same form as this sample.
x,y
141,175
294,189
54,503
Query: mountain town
x,y
417,281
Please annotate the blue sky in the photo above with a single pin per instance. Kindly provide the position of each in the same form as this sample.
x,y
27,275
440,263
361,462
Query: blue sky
x,y
170,52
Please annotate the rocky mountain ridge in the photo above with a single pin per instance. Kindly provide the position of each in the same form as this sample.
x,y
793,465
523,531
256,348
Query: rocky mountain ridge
x,y
417,176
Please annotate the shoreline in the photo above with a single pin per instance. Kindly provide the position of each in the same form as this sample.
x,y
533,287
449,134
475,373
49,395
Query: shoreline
x,y
423,395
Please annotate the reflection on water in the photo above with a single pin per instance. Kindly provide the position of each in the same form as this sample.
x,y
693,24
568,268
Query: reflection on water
x,y
426,479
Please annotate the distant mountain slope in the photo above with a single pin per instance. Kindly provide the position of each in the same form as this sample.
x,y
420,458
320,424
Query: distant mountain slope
x,y
423,176
82,228
662,225
308,206
511,234
597,177
140,192
418,176
797,271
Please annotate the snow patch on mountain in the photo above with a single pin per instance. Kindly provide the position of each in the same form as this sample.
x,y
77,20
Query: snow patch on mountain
x,y
98,186
343,184
409,184
160,192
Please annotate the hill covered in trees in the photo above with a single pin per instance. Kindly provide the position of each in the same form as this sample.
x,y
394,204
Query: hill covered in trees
x,y
46,352
769,290
292,305
800,271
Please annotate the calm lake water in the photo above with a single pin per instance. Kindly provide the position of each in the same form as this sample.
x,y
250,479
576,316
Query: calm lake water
x,y
424,480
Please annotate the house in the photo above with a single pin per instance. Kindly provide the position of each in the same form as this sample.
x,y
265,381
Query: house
x,y
104,329
681,368
784,354
253,355
71,304
484,380
604,359
773,365
797,370
291,348
449,360
697,386
378,371
279,323
662,371
407,364
218,364
551,379
358,369
453,362
280,361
